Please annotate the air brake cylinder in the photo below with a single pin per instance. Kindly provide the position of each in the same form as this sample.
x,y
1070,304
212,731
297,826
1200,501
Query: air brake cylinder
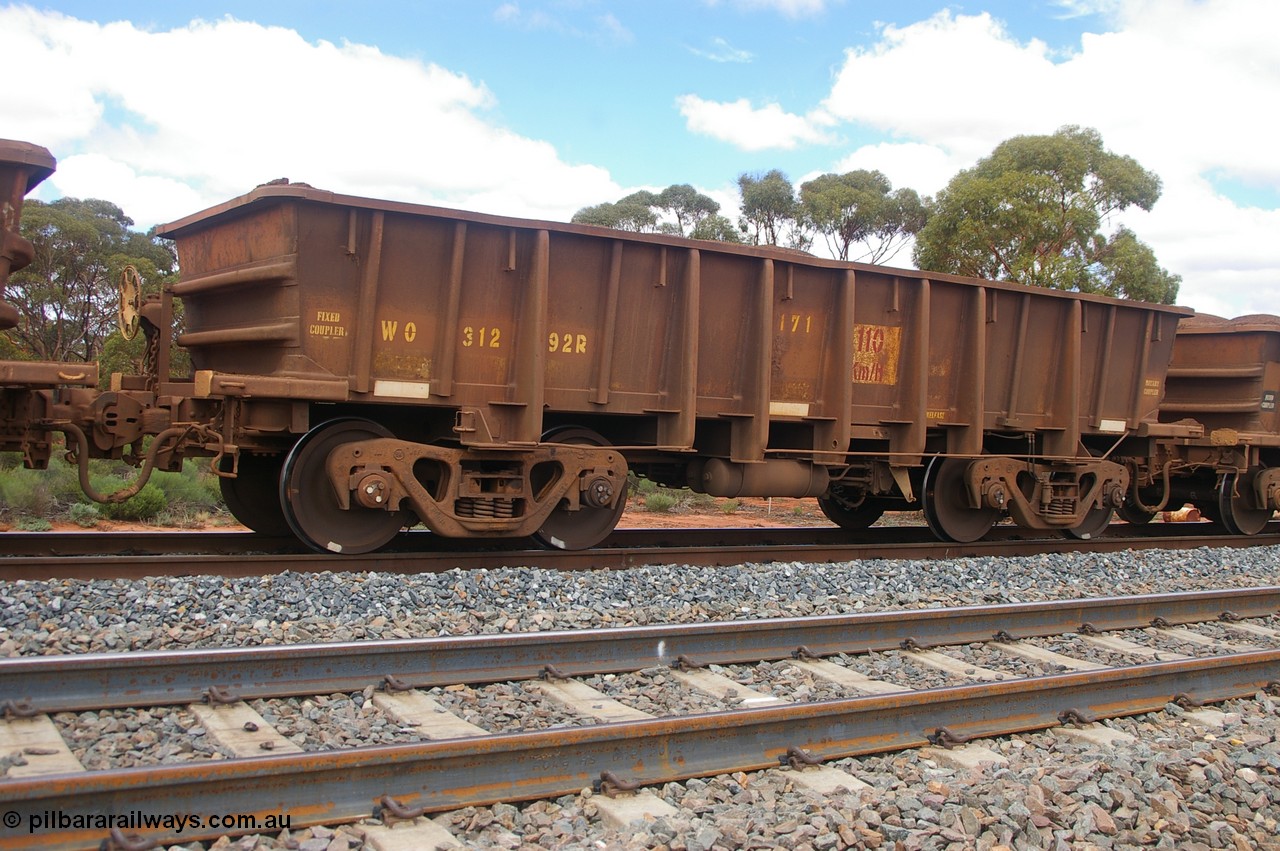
x,y
22,167
775,477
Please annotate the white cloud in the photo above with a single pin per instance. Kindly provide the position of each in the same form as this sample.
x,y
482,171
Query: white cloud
x,y
956,82
152,198
924,168
788,8
1183,86
239,103
751,128
1227,254
722,51
604,28
61,106
1083,8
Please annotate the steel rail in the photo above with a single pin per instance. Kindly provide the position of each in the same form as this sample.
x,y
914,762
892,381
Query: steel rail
x,y
634,548
107,680
335,786
169,542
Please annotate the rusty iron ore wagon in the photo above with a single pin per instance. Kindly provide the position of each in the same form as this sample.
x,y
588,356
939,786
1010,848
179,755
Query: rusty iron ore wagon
x,y
364,365
26,388
1221,394
23,167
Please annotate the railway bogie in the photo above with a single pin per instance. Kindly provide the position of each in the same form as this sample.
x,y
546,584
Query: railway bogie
x,y
364,365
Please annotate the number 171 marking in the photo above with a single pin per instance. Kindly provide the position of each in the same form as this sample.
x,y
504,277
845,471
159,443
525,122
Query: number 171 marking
x,y
796,321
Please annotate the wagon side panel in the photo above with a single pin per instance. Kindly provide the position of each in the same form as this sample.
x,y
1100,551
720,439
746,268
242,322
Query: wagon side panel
x,y
1125,354
810,389
240,285
408,326
1226,375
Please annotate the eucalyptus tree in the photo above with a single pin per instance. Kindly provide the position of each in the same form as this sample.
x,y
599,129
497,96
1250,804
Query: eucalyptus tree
x,y
687,206
634,212
1035,212
690,213
861,207
67,298
771,215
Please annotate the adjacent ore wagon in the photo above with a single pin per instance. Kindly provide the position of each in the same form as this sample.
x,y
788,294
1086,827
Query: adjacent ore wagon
x,y
23,167
1221,396
26,387
363,365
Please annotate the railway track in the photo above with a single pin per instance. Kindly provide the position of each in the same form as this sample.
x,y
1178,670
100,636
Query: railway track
x,y
42,555
1066,662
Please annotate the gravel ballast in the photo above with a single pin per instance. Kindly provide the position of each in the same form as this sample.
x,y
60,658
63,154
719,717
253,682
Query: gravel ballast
x,y
1182,785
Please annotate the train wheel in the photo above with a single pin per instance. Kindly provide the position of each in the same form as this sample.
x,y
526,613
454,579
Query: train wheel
x,y
1236,508
1094,524
253,496
588,526
310,505
946,503
848,508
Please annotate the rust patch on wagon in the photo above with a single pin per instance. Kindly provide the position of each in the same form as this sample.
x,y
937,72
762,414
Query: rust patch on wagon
x,y
390,365
876,349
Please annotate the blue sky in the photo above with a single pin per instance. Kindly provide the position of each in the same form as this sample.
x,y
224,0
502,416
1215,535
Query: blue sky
x,y
600,80
539,107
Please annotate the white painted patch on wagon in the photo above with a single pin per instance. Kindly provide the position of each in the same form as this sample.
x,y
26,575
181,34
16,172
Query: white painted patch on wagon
x,y
788,409
402,389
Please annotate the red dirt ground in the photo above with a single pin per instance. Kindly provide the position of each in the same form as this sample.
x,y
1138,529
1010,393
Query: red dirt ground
x,y
748,513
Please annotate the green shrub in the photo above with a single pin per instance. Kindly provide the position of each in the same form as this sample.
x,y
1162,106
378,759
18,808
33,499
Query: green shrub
x,y
64,481
183,518
144,505
26,492
84,514
659,501
729,506
56,492
190,488
107,483
33,524
698,500
646,486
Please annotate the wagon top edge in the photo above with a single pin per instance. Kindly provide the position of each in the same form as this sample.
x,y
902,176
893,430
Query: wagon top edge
x,y
40,162
1205,323
281,192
